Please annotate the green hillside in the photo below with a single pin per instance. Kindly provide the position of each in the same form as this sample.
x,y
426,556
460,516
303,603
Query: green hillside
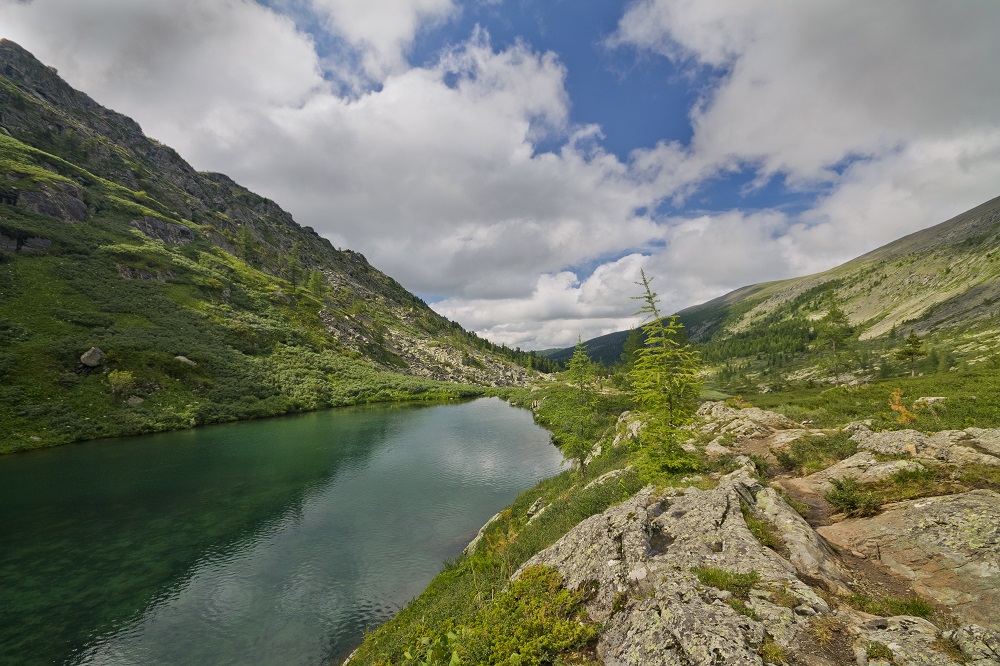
x,y
207,302
941,283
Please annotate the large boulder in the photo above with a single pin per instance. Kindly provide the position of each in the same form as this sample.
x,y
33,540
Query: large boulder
x,y
947,547
637,562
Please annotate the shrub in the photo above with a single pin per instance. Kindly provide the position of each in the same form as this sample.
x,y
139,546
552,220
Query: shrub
x,y
847,497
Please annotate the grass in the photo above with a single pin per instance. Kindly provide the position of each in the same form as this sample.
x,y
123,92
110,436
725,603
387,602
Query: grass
x,y
256,355
876,650
530,623
739,584
973,400
813,453
765,533
889,606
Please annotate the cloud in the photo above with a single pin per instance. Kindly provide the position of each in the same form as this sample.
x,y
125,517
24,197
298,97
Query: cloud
x,y
184,68
381,31
880,116
806,85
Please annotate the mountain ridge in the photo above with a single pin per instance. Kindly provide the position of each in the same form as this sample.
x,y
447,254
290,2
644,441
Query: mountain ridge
x,y
944,277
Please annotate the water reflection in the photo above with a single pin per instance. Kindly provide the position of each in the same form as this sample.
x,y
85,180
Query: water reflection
x,y
270,542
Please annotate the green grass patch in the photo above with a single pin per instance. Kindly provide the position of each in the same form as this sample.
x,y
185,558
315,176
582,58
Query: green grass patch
x,y
972,400
532,622
739,584
765,533
889,606
813,453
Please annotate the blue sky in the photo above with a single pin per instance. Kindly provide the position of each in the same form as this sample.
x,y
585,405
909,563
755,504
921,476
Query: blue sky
x,y
518,162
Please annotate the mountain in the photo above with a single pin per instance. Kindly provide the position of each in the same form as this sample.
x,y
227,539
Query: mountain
x,y
942,283
138,294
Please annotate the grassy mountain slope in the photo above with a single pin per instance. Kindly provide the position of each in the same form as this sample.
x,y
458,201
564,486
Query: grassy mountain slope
x,y
208,302
943,283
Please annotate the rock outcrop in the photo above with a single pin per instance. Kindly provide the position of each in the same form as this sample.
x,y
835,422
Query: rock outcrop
x,y
639,562
60,200
959,447
168,232
948,547
863,466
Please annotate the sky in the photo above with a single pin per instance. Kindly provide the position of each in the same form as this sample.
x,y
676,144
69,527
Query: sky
x,y
516,163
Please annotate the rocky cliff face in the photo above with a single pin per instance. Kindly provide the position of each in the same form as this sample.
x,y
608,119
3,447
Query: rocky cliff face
x,y
733,574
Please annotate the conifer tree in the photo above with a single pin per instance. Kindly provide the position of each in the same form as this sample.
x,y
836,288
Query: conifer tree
x,y
835,331
912,349
665,373
576,445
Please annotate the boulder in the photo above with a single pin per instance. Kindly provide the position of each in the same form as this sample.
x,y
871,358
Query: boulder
x,y
92,358
185,360
947,547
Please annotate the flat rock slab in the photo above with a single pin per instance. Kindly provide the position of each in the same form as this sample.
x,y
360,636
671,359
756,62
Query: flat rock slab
x,y
948,547
721,419
959,447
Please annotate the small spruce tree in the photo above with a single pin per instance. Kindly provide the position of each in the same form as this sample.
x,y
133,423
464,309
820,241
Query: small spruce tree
x,y
834,331
576,445
665,385
912,349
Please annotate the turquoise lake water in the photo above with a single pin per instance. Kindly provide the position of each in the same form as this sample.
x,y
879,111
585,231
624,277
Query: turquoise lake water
x,y
269,542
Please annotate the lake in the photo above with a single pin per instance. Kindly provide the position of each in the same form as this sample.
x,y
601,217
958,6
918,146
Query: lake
x,y
268,542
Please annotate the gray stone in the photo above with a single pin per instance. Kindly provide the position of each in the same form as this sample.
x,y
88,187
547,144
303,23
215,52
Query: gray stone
x,y
979,645
134,401
36,245
185,360
911,640
92,358
63,201
8,244
947,547
863,466
636,561
168,232
958,447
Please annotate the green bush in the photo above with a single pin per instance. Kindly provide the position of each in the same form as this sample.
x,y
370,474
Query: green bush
x,y
847,497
